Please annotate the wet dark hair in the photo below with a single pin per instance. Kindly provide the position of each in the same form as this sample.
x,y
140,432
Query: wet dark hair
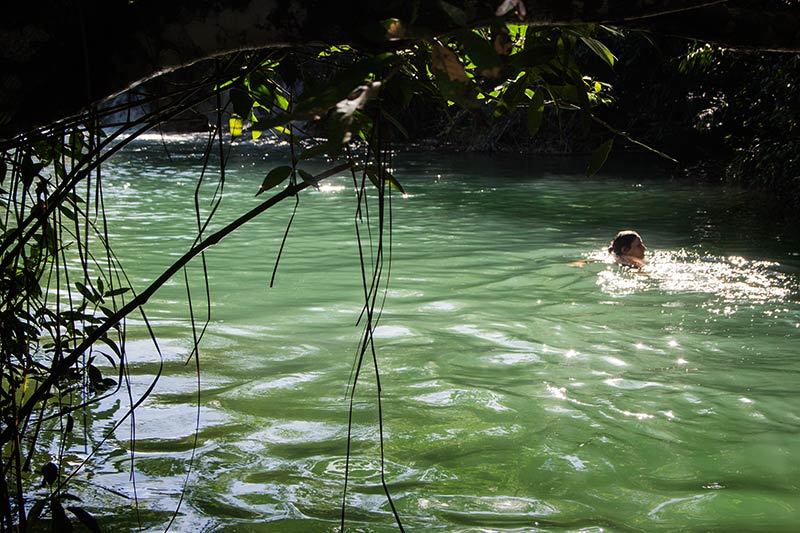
x,y
623,239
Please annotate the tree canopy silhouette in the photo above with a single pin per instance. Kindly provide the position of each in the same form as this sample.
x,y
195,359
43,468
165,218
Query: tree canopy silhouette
x,y
58,57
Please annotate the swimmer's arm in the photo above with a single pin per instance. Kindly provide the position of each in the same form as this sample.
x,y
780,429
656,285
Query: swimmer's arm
x,y
582,263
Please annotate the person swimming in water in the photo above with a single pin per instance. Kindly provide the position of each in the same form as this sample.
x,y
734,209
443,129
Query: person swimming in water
x,y
626,249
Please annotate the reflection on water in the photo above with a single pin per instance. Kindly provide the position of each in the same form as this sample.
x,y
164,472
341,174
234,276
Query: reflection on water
x,y
732,279
520,394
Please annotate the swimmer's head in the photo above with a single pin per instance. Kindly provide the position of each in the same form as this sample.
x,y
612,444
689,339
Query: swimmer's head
x,y
627,243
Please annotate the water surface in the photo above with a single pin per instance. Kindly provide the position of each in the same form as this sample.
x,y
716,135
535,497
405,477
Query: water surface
x,y
520,394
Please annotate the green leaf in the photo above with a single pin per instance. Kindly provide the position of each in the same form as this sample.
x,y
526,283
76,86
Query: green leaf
x,y
74,198
67,212
308,178
76,143
224,85
583,99
600,50
362,123
235,124
108,358
106,311
35,513
97,381
50,473
281,119
241,100
394,183
510,97
86,292
275,177
451,78
258,83
599,157
535,112
61,521
255,133
77,316
481,52
347,118
113,345
48,239
375,175
445,62
283,103
85,518
116,292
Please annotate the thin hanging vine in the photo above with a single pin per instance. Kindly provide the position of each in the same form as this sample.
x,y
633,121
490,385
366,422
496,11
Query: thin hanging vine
x,y
59,318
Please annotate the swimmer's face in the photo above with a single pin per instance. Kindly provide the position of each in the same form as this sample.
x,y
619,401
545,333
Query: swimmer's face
x,y
636,249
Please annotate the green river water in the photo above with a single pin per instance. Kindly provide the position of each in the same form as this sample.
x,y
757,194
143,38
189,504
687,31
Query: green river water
x,y
519,393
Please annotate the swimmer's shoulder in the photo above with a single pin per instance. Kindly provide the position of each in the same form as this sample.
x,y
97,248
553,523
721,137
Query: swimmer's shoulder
x,y
629,262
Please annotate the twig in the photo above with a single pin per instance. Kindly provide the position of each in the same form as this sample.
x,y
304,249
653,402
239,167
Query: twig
x,y
673,11
624,135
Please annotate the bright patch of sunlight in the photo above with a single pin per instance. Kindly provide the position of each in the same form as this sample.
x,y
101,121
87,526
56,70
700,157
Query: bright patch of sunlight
x,y
733,279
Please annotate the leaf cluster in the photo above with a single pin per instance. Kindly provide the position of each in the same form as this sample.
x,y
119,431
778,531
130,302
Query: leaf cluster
x,y
489,71
47,308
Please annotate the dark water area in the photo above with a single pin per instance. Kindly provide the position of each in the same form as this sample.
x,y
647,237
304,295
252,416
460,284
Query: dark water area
x,y
520,393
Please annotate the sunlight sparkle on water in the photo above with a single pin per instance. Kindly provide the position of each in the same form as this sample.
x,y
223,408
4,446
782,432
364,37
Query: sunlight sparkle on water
x,y
439,306
328,187
390,332
614,361
640,416
557,392
733,279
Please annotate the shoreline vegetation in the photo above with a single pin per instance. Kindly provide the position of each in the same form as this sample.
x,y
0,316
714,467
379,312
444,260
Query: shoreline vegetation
x,y
697,109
